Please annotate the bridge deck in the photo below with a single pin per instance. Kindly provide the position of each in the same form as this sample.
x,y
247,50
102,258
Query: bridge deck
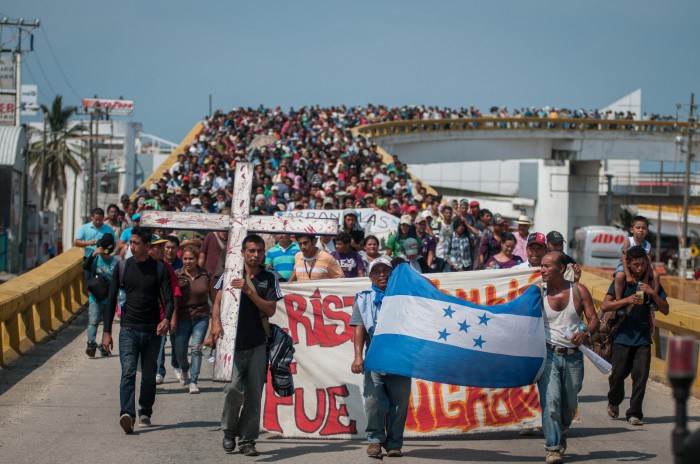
x,y
56,405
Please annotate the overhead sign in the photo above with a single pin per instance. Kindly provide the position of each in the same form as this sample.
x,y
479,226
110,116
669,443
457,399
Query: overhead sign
x,y
7,109
113,107
7,73
29,100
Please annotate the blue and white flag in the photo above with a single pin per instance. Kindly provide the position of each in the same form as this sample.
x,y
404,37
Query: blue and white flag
x,y
423,333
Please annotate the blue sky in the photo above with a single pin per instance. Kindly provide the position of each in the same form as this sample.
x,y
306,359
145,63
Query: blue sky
x,y
169,55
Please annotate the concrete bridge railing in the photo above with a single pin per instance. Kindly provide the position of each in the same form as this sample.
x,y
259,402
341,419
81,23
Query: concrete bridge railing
x,y
517,123
37,303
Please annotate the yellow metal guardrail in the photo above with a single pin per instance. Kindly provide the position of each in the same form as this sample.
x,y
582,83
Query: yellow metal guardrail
x,y
490,123
683,319
37,303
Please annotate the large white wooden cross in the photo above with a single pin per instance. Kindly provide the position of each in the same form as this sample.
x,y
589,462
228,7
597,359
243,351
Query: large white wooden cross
x,y
239,224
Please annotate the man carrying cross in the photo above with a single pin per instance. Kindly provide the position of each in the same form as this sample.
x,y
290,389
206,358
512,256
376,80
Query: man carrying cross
x,y
244,289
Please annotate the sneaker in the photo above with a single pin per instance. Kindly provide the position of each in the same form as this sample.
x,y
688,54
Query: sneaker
x,y
553,457
229,444
144,421
249,450
184,378
102,351
159,379
394,453
90,350
374,450
178,373
126,423
194,389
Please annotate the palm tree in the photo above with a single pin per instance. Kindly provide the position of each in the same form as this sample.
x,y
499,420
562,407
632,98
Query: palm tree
x,y
55,152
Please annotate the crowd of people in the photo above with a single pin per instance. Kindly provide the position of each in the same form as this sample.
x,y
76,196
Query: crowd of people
x,y
170,281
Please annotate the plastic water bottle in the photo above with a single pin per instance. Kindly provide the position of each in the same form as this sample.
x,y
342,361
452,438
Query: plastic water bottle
x,y
208,352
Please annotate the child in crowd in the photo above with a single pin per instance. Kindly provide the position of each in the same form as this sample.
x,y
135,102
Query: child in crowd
x,y
622,275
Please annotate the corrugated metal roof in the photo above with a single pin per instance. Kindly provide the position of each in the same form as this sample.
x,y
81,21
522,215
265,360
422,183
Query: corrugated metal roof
x,y
13,140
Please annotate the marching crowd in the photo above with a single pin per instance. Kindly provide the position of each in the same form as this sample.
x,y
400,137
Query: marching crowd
x,y
160,281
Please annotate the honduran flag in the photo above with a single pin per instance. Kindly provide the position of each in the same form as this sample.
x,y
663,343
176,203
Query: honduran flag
x,y
424,333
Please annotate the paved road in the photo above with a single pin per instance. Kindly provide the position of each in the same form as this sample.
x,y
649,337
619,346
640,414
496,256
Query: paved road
x,y
58,406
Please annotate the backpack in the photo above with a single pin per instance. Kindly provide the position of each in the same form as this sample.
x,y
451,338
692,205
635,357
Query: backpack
x,y
601,341
280,352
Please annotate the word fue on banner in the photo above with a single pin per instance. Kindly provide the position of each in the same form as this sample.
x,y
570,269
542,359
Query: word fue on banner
x,y
423,333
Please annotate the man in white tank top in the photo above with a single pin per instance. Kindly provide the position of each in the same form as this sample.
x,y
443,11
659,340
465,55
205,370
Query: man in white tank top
x,y
562,378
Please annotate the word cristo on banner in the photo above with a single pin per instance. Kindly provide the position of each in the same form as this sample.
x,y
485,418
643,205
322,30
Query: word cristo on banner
x,y
239,224
327,401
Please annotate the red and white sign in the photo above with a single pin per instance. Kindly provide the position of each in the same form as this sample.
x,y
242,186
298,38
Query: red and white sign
x,y
328,401
113,107
8,108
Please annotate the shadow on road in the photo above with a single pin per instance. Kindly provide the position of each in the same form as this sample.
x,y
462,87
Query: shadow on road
x,y
38,355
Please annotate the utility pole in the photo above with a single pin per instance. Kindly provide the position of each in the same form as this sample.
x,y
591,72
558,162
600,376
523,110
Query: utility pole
x,y
24,28
688,159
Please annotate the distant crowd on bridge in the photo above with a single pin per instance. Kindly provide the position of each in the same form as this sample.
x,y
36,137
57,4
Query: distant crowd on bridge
x,y
309,159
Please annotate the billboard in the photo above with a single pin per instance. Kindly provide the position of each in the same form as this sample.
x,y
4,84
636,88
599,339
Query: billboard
x,y
28,100
113,107
7,109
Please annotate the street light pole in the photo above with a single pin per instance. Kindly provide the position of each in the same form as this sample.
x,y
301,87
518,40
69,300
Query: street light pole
x,y
688,159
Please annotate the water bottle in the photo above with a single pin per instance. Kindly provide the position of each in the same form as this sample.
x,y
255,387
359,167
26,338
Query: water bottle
x,y
208,353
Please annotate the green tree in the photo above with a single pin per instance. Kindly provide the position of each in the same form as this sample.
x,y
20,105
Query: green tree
x,y
55,151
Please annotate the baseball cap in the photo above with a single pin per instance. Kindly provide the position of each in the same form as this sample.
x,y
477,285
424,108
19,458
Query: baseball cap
x,y
328,201
412,209
106,243
349,212
380,260
405,219
421,218
498,219
194,192
196,202
536,238
153,187
418,198
410,247
124,197
555,237
394,201
157,240
136,217
381,202
473,203
259,197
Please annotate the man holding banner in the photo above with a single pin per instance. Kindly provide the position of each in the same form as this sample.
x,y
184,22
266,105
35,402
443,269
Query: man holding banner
x,y
563,304
386,395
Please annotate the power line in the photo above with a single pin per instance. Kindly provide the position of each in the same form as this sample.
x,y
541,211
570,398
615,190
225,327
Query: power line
x,y
31,74
43,31
43,73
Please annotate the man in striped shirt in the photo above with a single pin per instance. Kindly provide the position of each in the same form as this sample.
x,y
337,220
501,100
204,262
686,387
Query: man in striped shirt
x,y
281,256
312,263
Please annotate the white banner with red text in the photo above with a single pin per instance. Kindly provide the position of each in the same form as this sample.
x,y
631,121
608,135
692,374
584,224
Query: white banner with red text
x,y
328,401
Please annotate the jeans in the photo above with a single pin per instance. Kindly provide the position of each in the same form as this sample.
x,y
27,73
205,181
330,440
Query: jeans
x,y
242,396
386,407
161,355
135,345
559,386
628,360
95,311
194,331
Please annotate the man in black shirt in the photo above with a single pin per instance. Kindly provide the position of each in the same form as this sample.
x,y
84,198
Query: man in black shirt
x,y
259,295
145,283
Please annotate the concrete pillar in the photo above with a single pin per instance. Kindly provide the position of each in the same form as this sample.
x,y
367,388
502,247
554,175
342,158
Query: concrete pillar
x,y
584,195
552,208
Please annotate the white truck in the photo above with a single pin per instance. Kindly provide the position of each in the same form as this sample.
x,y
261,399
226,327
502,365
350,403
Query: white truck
x,y
599,246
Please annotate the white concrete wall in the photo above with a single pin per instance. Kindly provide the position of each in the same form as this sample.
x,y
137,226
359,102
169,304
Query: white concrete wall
x,y
552,209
